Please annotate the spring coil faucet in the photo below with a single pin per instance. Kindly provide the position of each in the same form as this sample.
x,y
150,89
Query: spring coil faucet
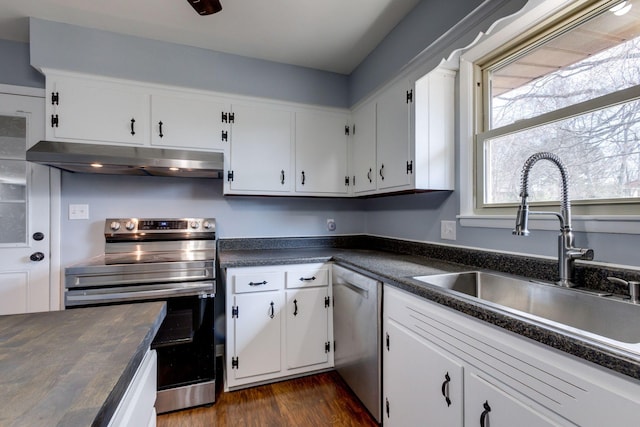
x,y
567,253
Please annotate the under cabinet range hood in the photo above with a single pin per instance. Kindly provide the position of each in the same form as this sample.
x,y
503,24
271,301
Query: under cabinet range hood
x,y
124,160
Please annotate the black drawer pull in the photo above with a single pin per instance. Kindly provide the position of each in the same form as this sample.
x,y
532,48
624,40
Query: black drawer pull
x,y
485,413
272,310
264,282
445,388
307,279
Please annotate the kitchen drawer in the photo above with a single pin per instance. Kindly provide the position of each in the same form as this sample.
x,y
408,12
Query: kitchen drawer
x,y
258,281
308,275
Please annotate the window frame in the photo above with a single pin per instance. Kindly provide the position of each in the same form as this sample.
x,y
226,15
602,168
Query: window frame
x,y
533,21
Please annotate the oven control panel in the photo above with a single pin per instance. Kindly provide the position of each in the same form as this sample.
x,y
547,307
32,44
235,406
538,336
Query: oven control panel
x,y
123,226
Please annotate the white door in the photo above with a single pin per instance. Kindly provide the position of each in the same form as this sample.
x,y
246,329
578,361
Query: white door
x,y
490,405
261,142
321,152
393,137
422,387
257,333
307,327
189,122
24,209
363,149
95,111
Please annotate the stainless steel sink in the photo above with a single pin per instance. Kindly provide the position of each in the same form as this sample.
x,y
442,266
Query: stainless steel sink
x,y
603,316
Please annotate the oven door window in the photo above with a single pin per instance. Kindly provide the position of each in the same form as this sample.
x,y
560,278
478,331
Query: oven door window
x,y
185,343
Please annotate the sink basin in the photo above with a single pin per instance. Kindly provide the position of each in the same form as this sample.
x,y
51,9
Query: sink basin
x,y
600,315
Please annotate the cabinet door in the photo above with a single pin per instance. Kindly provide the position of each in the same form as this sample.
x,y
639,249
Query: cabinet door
x,y
422,386
487,405
189,122
394,137
321,152
97,111
260,155
363,149
257,333
307,326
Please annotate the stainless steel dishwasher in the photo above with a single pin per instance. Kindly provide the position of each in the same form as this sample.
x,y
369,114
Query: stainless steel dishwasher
x,y
357,327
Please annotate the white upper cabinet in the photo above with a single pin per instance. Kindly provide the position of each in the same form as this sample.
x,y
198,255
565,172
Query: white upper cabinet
x,y
434,131
363,149
96,111
394,166
321,153
260,151
189,121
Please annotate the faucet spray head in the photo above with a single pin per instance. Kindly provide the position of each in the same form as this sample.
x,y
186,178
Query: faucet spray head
x,y
522,221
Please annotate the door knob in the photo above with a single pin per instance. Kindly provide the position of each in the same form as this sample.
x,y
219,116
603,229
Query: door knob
x,y
36,256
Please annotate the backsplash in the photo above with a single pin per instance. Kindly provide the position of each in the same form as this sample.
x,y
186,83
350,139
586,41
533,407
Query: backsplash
x,y
590,275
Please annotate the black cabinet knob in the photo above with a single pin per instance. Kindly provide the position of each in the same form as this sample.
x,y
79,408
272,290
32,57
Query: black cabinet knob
x,y
37,236
36,256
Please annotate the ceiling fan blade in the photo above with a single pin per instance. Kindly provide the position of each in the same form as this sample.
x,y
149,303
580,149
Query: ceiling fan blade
x,y
206,7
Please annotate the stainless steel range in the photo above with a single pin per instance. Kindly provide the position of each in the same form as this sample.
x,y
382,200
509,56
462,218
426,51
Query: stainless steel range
x,y
172,260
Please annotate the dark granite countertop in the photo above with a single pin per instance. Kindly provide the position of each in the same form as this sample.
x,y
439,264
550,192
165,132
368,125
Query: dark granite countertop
x,y
71,368
397,269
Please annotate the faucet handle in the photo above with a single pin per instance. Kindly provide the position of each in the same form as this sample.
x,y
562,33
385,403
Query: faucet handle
x,y
633,286
587,254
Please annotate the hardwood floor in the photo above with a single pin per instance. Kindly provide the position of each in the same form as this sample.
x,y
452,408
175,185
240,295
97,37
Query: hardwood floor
x,y
316,400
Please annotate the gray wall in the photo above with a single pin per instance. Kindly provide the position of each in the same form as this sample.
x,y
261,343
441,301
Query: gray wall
x,y
14,66
74,48
125,196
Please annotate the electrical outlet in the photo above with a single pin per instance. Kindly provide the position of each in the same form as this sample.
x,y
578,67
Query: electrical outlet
x,y
78,211
448,230
331,224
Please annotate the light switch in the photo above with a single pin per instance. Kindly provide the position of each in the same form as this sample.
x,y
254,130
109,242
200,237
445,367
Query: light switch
x,y
78,211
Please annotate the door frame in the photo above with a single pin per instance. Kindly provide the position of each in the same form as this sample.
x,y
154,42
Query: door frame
x,y
56,274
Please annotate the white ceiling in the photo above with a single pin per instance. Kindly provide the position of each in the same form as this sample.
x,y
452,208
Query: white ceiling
x,y
332,35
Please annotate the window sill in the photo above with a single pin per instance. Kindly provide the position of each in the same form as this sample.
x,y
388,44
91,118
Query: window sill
x,y
623,224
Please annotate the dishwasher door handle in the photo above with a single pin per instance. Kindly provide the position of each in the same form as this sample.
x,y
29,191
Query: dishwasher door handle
x,y
356,288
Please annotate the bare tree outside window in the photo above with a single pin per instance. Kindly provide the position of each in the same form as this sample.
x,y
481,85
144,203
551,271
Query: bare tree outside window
x,y
601,147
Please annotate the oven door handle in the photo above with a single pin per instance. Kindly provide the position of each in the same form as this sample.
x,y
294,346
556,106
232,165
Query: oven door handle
x,y
75,298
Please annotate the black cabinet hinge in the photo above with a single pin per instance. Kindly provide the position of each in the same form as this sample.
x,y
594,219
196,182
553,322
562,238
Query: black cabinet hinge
x,y
346,130
409,96
346,181
409,167
225,134
228,117
234,363
387,406
353,129
55,98
54,120
234,312
229,176
327,347
327,301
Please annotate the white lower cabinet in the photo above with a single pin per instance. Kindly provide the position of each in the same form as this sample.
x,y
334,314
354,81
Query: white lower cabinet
x,y
488,405
422,386
443,368
306,324
257,334
137,407
279,323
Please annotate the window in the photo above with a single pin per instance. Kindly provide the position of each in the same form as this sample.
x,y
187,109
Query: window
x,y
572,88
